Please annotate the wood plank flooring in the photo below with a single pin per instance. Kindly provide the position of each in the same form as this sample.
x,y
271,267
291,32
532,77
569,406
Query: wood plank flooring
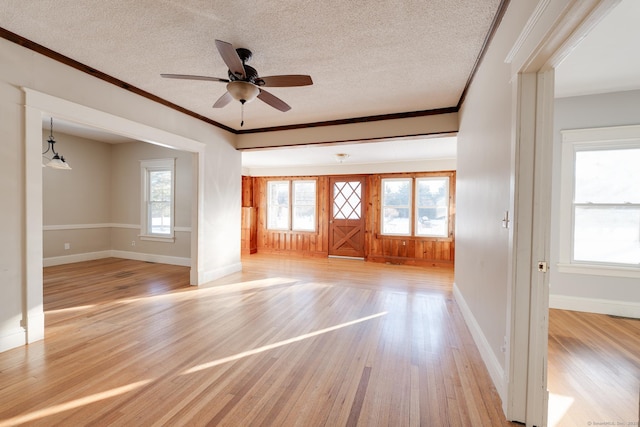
x,y
594,370
306,342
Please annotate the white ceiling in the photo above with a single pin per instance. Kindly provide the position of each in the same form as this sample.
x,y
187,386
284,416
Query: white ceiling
x,y
378,152
366,58
606,60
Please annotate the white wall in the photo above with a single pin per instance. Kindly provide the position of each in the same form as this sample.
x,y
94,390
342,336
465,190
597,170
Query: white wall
x,y
483,194
125,204
220,192
602,294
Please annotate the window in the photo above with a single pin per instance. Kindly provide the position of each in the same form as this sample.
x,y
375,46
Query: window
x,y
278,205
396,206
291,205
429,209
600,212
157,210
304,205
432,207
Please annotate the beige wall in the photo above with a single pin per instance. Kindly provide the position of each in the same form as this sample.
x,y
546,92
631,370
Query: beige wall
x,y
95,207
81,195
125,181
76,197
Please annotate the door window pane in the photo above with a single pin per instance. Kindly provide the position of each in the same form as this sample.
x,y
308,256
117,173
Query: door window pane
x,y
347,198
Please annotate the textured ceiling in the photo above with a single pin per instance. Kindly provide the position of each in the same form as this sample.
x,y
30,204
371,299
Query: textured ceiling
x,y
365,58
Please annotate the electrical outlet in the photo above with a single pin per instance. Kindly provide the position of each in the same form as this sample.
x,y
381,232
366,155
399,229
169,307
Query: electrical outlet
x,y
67,246
133,243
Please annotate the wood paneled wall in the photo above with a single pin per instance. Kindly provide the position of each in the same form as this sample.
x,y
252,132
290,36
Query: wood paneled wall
x,y
304,243
409,249
378,248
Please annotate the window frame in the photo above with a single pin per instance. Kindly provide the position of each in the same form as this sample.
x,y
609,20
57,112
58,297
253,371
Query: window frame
x,y
294,204
409,207
146,167
418,206
413,206
291,205
573,141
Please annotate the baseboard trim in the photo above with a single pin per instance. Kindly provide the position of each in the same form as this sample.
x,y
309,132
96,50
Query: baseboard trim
x,y
138,256
595,305
103,225
161,259
12,338
211,275
496,372
69,259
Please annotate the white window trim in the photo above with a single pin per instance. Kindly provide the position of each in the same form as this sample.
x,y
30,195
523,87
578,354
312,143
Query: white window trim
x,y
145,167
592,139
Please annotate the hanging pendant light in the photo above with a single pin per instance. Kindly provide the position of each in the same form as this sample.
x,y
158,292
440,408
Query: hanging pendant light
x,y
57,161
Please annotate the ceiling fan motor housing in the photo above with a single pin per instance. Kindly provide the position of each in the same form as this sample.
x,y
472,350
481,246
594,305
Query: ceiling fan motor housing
x,y
251,75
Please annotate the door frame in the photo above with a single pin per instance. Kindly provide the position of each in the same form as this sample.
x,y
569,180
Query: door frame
x,y
36,105
554,29
364,196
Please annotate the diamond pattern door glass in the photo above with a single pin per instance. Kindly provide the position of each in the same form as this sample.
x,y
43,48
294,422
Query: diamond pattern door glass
x,y
347,200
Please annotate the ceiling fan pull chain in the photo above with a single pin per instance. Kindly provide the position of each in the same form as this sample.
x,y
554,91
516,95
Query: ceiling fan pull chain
x,y
242,114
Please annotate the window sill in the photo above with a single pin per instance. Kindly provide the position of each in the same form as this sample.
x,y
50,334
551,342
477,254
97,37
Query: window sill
x,y
148,238
599,270
407,237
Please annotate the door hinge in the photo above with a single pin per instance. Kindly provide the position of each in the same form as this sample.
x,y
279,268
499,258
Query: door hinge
x,y
543,266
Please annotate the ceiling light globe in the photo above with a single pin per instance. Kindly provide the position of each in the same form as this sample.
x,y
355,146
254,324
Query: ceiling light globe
x,y
243,91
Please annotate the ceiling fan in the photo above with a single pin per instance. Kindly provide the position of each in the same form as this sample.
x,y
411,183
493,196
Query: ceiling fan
x,y
244,84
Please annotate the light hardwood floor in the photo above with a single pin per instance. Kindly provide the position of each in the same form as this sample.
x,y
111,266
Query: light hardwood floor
x,y
317,342
594,370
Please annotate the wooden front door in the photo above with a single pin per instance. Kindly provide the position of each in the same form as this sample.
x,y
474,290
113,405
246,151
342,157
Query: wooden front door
x,y
346,226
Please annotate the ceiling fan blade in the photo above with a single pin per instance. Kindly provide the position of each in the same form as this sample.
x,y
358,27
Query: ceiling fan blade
x,y
223,100
231,58
273,100
286,80
190,77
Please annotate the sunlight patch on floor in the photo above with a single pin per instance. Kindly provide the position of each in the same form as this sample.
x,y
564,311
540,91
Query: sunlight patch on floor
x,y
238,356
195,293
65,310
86,400
558,407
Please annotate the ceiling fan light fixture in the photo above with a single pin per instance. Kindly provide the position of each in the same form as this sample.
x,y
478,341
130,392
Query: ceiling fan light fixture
x,y
243,91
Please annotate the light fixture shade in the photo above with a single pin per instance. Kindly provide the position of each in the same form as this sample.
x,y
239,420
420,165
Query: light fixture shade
x,y
243,91
341,157
58,163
